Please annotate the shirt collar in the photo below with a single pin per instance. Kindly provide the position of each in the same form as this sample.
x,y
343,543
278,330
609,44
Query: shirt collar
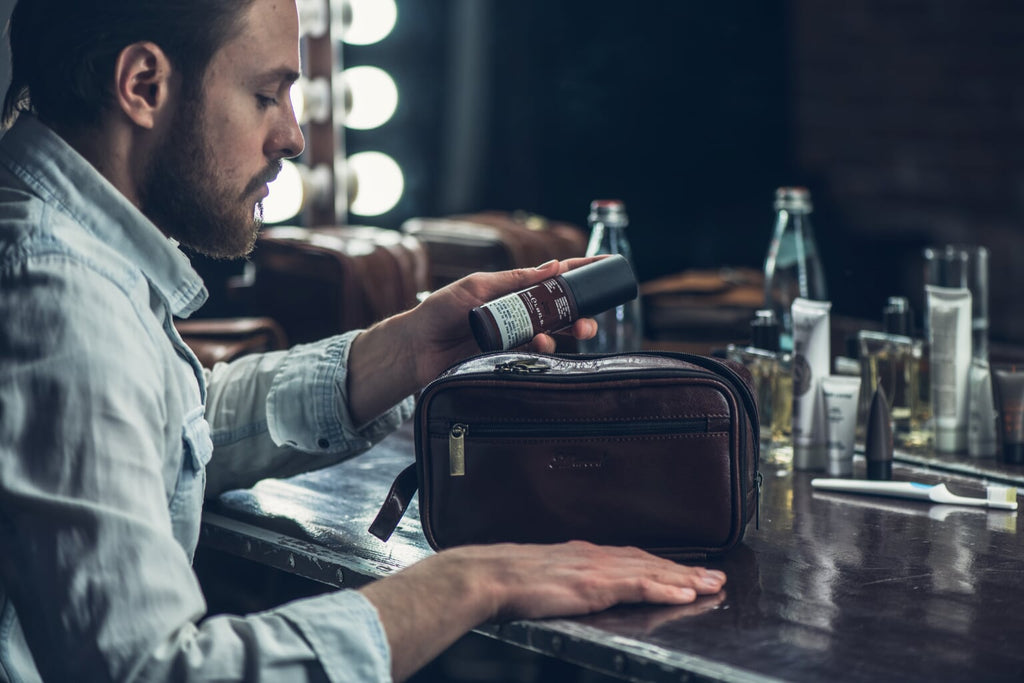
x,y
57,173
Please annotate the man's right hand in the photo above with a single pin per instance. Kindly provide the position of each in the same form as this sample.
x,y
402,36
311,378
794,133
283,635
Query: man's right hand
x,y
429,605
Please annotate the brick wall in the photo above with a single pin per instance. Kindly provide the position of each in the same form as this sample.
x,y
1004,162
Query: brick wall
x,y
908,123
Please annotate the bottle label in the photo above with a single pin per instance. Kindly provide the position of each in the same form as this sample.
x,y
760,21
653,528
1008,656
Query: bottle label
x,y
542,308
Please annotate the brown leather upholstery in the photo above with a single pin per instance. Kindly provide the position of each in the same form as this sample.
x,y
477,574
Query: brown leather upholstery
x,y
225,339
320,281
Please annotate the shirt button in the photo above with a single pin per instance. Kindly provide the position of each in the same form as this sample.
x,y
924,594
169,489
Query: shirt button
x,y
323,443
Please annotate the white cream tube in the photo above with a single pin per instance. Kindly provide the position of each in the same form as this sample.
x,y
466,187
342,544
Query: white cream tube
x,y
812,351
841,394
949,319
982,441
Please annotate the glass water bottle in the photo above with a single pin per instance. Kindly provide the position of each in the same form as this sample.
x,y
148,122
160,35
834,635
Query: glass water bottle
x,y
793,267
620,328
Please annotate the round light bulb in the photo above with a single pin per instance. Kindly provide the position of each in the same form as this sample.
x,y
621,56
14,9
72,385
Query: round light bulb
x,y
373,97
368,21
285,199
378,183
313,16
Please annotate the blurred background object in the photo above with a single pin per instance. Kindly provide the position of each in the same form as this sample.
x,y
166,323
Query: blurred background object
x,y
904,121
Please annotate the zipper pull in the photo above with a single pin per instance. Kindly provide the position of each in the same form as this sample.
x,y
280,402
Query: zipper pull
x,y
457,450
522,367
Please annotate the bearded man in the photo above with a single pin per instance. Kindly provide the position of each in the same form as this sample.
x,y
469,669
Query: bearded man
x,y
138,126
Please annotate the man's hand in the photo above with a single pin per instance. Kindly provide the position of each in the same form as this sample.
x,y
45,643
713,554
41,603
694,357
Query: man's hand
x,y
427,606
398,356
442,319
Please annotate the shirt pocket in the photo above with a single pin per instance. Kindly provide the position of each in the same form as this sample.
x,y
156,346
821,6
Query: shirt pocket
x,y
187,500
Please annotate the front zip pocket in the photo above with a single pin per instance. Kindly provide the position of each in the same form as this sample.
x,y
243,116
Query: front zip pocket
x,y
457,432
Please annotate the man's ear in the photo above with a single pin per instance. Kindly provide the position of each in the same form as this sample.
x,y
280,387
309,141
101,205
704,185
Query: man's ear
x,y
142,80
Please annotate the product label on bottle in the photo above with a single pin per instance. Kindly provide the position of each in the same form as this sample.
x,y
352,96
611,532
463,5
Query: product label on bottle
x,y
513,320
541,308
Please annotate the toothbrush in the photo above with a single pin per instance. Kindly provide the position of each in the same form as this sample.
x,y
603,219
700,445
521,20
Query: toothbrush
x,y
999,497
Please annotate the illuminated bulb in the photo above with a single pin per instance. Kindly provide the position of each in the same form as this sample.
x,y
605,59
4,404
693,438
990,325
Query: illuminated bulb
x,y
311,99
376,181
371,97
364,22
295,188
313,17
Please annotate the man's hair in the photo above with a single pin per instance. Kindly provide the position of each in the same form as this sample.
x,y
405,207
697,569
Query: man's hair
x,y
63,52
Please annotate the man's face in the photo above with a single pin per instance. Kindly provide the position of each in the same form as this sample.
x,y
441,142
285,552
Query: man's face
x,y
209,175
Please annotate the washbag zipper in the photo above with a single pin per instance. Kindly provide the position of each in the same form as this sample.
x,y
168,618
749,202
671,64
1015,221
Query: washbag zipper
x,y
458,431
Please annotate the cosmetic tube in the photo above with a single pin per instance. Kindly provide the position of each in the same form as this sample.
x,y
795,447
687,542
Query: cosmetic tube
x,y
811,358
949,318
554,304
1009,401
878,442
981,412
840,394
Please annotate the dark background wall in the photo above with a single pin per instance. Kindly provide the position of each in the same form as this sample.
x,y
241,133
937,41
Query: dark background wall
x,y
681,109
905,119
909,123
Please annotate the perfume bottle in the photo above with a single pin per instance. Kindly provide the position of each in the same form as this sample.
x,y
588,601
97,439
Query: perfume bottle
x,y
792,268
772,371
893,359
620,328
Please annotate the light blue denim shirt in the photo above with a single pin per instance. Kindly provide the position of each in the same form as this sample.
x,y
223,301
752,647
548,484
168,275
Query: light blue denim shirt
x,y
107,427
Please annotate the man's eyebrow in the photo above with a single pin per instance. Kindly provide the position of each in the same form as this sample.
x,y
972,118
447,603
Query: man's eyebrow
x,y
284,75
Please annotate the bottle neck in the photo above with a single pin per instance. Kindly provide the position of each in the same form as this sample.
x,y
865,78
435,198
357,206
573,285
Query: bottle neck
x,y
608,238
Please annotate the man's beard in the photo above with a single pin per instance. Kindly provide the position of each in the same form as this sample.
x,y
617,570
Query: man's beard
x,y
182,194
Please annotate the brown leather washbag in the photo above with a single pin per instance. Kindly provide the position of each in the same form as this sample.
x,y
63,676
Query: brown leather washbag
x,y
651,449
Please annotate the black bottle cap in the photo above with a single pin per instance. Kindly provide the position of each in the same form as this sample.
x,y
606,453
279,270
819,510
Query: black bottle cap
x,y
1013,453
897,317
764,330
879,470
602,284
878,443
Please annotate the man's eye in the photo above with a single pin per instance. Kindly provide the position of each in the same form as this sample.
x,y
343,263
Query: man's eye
x,y
264,102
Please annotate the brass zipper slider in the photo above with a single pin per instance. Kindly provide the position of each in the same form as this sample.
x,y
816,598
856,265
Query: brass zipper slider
x,y
457,450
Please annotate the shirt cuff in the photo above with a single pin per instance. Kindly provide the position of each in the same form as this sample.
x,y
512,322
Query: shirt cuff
x,y
345,632
307,405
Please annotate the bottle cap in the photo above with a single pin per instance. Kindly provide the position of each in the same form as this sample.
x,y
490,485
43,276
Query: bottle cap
x,y
602,285
879,470
896,316
793,199
878,441
950,440
764,330
1013,453
813,458
611,212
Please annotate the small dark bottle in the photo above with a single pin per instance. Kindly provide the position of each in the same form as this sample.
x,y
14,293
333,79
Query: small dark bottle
x,y
554,304
878,445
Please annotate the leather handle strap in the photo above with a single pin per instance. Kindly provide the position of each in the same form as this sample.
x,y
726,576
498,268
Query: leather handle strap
x,y
395,504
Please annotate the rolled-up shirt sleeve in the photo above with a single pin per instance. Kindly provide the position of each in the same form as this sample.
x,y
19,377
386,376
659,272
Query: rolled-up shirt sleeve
x,y
335,637
286,412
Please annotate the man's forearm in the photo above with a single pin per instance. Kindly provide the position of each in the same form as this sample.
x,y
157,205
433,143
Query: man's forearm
x,y
381,370
426,608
